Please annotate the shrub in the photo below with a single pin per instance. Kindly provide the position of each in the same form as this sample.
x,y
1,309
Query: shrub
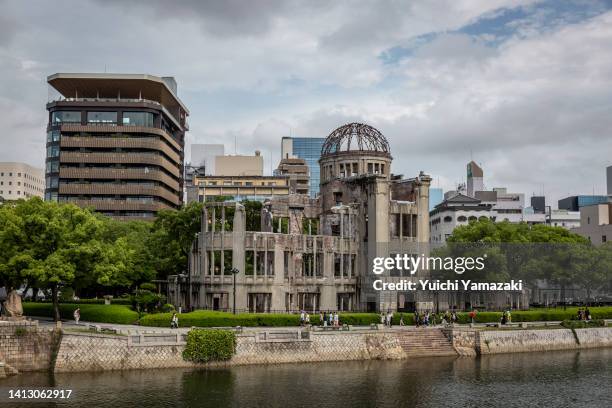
x,y
119,314
582,324
148,286
147,301
167,308
204,345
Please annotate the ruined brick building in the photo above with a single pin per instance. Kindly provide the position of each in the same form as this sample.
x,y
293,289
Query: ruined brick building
x,y
295,252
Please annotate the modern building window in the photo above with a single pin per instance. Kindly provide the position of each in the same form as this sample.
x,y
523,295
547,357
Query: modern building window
x,y
58,117
53,151
138,119
102,117
52,182
52,166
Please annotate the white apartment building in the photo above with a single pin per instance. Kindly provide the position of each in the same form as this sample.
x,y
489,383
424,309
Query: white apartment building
x,y
453,212
20,180
564,218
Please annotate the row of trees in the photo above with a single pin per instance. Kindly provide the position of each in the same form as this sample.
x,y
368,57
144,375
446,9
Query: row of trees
x,y
50,246
530,253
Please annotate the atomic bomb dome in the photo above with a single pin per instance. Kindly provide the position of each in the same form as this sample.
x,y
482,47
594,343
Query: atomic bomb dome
x,y
355,137
354,149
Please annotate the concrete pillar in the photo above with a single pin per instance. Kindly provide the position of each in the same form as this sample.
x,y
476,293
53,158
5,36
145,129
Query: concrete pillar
x,y
238,246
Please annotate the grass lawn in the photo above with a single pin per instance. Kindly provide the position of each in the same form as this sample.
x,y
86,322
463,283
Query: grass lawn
x,y
120,314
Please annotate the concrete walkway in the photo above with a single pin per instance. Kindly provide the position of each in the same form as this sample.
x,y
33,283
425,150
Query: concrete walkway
x,y
131,328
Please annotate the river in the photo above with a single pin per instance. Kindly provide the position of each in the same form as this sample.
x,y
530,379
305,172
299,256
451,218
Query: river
x,y
551,379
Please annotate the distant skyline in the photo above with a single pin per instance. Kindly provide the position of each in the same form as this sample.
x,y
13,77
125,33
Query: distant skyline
x,y
521,87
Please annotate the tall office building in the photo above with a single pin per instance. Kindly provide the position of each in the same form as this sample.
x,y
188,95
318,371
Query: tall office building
x,y
309,149
115,143
20,180
474,179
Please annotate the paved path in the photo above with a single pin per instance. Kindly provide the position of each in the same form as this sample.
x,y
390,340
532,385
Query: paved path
x,y
70,324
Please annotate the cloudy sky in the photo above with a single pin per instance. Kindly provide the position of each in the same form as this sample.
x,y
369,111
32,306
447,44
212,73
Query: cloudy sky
x,y
523,87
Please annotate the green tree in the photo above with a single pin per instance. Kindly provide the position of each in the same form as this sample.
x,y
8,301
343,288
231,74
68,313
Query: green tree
x,y
173,234
50,245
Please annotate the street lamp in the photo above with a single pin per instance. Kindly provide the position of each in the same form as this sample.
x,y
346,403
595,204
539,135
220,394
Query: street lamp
x,y
234,272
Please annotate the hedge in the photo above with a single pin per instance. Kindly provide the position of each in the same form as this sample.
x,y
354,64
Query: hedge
x,y
205,345
208,318
119,314
115,301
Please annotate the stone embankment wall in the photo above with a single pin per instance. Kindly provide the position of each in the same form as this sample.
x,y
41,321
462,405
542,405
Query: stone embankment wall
x,y
89,352
26,347
472,342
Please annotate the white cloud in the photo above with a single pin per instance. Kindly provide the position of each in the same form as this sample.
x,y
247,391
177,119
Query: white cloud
x,y
537,103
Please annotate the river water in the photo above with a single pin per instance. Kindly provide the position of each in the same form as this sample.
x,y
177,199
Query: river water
x,y
551,379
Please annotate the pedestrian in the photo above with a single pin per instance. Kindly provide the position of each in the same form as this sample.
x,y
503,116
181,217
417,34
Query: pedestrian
x,y
307,319
77,315
389,318
302,317
325,319
416,318
321,318
331,318
587,314
174,321
382,318
472,315
336,319
401,319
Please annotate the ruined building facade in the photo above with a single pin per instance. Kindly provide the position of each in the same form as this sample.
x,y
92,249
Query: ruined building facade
x,y
300,253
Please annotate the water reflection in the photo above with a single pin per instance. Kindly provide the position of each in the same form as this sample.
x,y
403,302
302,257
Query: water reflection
x,y
514,380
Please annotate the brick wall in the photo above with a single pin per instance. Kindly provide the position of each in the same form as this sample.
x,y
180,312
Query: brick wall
x,y
26,347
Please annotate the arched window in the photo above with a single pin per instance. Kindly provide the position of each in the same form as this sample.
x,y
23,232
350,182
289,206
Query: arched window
x,y
462,218
472,218
448,218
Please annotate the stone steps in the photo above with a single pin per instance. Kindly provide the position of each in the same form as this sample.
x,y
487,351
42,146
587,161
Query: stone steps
x,y
426,342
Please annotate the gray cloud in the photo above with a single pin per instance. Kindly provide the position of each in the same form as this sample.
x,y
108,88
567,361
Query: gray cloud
x,y
533,110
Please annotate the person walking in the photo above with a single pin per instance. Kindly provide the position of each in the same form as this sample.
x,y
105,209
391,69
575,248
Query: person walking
x,y
401,319
77,315
302,318
336,319
174,321
321,318
331,318
307,319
